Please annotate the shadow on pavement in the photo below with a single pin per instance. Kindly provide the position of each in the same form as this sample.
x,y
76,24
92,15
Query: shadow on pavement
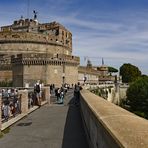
x,y
74,134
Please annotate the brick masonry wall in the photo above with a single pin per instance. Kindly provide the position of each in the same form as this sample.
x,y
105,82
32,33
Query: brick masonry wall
x,y
17,75
54,75
71,74
6,75
50,74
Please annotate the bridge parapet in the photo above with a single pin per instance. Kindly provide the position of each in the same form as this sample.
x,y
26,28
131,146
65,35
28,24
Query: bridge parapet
x,y
109,126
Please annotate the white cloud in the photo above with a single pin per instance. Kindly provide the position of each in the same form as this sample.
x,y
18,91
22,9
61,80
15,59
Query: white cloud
x,y
121,37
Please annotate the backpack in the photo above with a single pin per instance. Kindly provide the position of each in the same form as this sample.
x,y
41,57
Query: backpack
x,y
37,88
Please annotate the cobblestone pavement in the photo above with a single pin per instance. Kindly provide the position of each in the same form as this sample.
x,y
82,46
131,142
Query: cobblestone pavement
x,y
51,126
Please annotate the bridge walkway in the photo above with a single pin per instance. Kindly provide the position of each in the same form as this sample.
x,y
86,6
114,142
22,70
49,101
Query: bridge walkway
x,y
51,126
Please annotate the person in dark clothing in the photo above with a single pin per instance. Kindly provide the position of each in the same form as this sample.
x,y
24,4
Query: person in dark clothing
x,y
51,89
37,90
6,109
77,93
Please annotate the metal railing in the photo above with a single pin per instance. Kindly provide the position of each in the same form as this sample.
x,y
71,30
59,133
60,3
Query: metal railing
x,y
16,103
10,105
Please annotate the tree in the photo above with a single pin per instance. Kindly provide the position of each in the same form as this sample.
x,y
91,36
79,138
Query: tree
x,y
129,73
112,70
137,96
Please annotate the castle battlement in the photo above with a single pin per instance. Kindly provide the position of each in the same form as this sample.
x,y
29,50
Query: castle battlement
x,y
43,59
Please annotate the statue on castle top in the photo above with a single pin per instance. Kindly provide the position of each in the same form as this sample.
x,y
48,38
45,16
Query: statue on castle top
x,y
21,17
35,14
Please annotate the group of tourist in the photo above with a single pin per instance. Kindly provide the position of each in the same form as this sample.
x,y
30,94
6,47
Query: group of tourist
x,y
60,93
10,103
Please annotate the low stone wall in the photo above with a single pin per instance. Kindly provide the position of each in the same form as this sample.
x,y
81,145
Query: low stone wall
x,y
109,126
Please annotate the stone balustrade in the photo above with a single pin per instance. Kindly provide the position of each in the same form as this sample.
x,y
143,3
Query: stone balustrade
x,y
109,126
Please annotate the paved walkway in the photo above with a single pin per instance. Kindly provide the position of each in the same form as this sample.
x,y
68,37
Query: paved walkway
x,y
56,126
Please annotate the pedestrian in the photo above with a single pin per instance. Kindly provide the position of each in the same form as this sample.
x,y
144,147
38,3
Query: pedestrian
x,y
61,95
77,93
37,90
51,89
58,95
6,109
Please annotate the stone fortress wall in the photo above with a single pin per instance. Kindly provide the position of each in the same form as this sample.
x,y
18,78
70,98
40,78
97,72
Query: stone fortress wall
x,y
5,68
49,69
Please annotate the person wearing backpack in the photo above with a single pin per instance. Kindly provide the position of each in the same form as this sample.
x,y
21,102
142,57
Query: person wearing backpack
x,y
37,90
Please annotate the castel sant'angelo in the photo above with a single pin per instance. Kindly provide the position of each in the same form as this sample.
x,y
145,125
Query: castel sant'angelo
x,y
31,51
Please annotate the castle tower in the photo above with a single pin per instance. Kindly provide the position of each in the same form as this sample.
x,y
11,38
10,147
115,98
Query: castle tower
x,y
39,51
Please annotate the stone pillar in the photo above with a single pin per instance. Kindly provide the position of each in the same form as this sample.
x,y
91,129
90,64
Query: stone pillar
x,y
24,101
0,113
47,94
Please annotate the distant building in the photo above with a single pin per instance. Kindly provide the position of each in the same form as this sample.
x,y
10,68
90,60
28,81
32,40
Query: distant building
x,y
88,75
94,74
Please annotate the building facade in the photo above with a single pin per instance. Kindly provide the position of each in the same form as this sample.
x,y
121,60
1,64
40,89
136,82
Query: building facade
x,y
94,74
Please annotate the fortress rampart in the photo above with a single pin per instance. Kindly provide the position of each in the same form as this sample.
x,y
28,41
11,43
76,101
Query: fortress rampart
x,y
59,69
42,59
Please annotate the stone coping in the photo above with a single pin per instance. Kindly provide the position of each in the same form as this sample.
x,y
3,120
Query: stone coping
x,y
126,128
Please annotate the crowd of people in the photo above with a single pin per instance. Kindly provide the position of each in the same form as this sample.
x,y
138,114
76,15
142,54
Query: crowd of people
x,y
60,92
11,105
11,101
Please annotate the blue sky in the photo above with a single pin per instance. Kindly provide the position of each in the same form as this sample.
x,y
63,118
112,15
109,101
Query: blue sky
x,y
116,30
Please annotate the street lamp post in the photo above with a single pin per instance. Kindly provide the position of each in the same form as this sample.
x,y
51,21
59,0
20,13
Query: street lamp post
x,y
63,69
63,78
